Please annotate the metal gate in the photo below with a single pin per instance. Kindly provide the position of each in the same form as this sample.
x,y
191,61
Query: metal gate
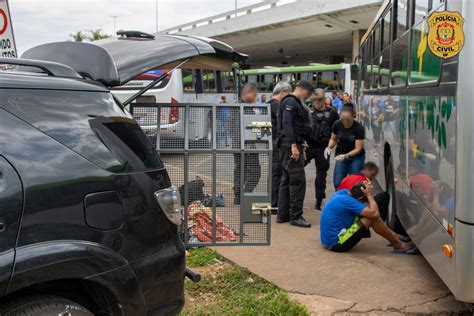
x,y
219,156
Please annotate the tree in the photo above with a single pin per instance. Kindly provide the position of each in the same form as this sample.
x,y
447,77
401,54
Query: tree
x,y
95,35
79,36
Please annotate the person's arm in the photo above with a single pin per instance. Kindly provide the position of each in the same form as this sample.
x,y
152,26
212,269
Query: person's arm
x,y
287,124
372,211
332,141
288,131
359,145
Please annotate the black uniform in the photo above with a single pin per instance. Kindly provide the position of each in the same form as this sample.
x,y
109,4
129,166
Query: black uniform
x,y
252,167
322,121
293,129
276,164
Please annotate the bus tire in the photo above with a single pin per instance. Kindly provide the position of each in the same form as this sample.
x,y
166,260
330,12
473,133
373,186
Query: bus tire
x,y
392,218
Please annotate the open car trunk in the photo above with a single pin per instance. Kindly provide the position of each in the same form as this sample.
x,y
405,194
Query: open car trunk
x,y
115,61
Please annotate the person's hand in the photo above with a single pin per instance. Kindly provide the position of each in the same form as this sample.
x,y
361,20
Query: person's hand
x,y
340,157
295,152
327,153
368,189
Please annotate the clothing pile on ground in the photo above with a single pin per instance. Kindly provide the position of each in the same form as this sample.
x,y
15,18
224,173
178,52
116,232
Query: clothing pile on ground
x,y
200,225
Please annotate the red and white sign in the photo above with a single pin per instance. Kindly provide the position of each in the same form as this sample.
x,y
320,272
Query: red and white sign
x,y
7,40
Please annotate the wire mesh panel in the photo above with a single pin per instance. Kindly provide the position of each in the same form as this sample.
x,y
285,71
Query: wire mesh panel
x,y
218,155
171,127
228,212
147,117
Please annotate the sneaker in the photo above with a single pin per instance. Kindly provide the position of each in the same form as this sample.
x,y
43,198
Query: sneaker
x,y
300,222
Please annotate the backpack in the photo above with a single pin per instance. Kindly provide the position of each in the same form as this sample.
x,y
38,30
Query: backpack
x,y
195,190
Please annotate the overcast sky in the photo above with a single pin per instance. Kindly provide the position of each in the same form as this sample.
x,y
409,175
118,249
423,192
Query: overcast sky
x,y
41,21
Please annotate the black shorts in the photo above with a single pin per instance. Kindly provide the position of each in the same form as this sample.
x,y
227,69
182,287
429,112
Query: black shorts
x,y
356,235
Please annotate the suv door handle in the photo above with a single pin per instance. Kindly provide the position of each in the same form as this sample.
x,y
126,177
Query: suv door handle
x,y
3,226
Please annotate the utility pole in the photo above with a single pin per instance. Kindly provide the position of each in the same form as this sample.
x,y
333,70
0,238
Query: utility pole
x,y
115,24
156,16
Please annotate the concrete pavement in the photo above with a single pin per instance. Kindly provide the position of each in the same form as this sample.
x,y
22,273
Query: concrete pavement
x,y
367,280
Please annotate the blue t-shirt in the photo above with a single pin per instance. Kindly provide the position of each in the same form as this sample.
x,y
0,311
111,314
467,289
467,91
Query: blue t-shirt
x,y
339,213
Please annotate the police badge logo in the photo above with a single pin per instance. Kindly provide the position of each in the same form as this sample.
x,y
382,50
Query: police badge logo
x,y
445,35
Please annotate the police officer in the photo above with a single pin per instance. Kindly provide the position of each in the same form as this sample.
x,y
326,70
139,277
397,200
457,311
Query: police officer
x,y
323,117
294,122
281,90
252,168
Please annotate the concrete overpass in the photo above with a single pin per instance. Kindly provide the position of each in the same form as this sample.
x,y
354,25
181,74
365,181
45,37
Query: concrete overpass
x,y
290,32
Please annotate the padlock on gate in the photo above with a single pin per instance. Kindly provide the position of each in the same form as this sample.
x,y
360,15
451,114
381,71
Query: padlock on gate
x,y
261,129
263,209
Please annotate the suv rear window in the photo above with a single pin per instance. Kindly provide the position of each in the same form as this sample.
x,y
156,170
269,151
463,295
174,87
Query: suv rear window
x,y
90,123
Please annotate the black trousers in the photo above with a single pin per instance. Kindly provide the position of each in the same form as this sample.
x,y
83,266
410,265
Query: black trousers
x,y
252,173
276,176
322,167
292,185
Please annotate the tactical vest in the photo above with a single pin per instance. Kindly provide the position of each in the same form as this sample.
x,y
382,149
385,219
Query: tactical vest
x,y
302,121
322,129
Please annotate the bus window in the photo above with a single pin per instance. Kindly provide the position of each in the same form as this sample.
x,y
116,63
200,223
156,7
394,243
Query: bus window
x,y
330,80
438,5
402,17
228,82
424,65
306,76
385,69
367,63
421,9
386,34
251,79
268,83
209,80
400,60
377,41
188,76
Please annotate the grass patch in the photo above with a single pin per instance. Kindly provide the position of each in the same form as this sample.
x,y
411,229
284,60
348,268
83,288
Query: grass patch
x,y
201,257
226,289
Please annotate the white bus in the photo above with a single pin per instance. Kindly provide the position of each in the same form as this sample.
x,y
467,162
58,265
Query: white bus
x,y
182,86
418,113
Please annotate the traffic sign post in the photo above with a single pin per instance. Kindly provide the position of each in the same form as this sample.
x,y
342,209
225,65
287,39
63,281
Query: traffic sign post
x,y
7,40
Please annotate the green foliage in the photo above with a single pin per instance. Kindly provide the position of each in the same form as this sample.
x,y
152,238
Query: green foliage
x,y
95,35
233,290
78,36
90,35
201,257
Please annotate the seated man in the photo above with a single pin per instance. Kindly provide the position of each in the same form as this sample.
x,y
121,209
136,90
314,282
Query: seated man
x,y
368,173
346,220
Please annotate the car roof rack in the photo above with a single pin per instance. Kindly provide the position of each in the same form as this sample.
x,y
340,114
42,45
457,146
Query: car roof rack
x,y
135,34
50,68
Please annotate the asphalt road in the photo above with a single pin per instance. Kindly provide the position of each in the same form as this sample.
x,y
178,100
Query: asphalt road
x,y
367,280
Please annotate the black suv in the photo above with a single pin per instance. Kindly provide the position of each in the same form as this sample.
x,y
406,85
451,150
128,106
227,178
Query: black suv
x,y
88,216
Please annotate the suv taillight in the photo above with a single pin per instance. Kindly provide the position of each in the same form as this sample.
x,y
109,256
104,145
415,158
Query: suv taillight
x,y
169,200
